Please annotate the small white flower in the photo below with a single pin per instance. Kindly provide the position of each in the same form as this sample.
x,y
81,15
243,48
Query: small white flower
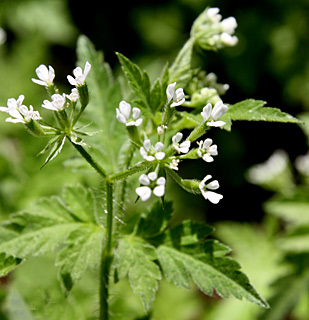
x,y
210,114
80,76
228,40
161,129
213,197
213,15
150,153
74,95
228,25
45,75
19,113
184,146
177,95
123,114
57,103
206,150
151,183
174,164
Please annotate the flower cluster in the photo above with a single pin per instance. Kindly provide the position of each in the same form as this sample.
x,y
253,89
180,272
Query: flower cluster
x,y
150,184
211,32
177,150
19,113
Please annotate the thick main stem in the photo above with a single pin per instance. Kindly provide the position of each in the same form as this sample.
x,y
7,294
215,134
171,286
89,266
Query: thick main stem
x,y
107,254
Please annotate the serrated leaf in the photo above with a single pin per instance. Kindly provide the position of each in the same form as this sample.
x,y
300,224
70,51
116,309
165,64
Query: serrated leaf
x,y
105,95
157,97
7,264
254,110
220,274
135,259
139,82
43,229
79,201
82,251
155,220
180,71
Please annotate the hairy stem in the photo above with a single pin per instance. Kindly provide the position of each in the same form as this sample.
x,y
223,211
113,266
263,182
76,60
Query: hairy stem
x,y
107,254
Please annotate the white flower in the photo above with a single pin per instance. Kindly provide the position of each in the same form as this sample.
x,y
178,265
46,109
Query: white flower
x,y
302,164
80,76
177,95
213,15
206,150
150,153
151,183
213,197
57,103
174,164
228,40
228,25
161,129
184,146
45,75
74,95
124,112
210,114
19,112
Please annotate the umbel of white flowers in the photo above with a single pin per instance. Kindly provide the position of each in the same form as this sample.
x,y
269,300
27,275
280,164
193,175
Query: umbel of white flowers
x,y
19,113
150,184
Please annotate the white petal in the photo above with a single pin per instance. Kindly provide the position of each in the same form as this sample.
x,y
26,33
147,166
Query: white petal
x,y
170,91
143,179
42,72
78,72
213,185
202,184
161,181
177,137
72,81
178,103
143,152
143,192
87,69
14,120
125,109
120,117
147,144
208,158
135,113
207,143
159,191
159,146
150,158
51,74
40,82
213,150
206,111
213,197
160,155
152,176
138,122
216,123
218,110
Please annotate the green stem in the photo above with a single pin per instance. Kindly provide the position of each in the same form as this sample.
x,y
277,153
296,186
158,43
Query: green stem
x,y
90,160
107,254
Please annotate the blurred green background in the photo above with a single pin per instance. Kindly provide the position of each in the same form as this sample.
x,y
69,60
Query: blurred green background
x,y
270,63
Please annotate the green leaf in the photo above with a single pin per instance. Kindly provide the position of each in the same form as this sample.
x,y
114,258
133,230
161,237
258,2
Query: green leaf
x,y
157,96
254,110
44,228
180,71
220,274
105,95
79,201
134,259
82,251
155,220
55,146
185,254
7,264
139,82
297,240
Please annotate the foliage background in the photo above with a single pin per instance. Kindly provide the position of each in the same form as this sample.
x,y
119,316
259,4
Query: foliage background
x,y
270,63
